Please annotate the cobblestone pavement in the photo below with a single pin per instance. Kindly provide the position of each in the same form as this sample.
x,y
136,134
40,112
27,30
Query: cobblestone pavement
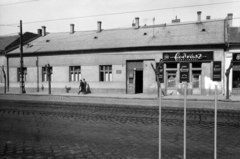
x,y
31,129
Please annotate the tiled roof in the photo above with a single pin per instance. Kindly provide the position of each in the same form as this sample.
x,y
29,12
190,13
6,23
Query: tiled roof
x,y
6,40
234,35
204,33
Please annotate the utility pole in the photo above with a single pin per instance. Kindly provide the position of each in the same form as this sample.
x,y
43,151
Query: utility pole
x,y
22,88
48,77
37,74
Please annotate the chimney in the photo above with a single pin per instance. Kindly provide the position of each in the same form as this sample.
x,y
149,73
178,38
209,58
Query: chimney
x,y
39,31
199,16
99,26
71,28
43,30
229,18
208,17
176,20
136,23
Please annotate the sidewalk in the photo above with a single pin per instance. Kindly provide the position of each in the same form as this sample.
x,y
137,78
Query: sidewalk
x,y
193,101
233,98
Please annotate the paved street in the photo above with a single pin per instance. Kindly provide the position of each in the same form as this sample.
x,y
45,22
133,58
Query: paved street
x,y
33,129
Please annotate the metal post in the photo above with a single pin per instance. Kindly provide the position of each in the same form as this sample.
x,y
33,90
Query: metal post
x,y
160,122
49,78
7,73
185,119
22,90
158,85
37,75
215,125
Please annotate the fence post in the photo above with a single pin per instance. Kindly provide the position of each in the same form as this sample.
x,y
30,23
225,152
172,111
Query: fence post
x,y
160,122
215,125
185,119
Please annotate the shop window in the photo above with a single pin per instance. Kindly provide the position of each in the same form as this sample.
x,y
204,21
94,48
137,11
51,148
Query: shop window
x,y
105,72
172,65
44,74
196,79
24,74
75,73
196,65
236,79
171,79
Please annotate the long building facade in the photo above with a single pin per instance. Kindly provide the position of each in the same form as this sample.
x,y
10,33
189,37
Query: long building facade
x,y
121,60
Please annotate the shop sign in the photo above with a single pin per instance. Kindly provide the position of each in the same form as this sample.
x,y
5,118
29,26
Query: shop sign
x,y
217,71
184,72
187,56
236,57
161,72
119,71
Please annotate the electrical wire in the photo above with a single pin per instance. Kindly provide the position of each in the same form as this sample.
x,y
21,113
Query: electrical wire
x,y
17,3
118,13
16,33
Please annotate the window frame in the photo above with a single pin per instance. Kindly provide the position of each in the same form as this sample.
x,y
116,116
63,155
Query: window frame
x,y
24,74
75,71
44,71
103,70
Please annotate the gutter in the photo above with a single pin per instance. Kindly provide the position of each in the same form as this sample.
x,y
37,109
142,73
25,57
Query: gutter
x,y
122,49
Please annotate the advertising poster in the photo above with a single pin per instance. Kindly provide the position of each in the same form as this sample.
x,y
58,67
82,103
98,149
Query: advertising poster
x,y
184,72
217,71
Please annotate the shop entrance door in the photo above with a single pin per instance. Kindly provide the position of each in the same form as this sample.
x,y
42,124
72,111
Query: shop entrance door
x,y
196,82
134,77
171,81
236,81
139,82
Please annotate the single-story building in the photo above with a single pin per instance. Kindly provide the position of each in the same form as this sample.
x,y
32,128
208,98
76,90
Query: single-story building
x,y
120,60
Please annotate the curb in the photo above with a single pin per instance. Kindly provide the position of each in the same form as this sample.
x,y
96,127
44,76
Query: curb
x,y
136,98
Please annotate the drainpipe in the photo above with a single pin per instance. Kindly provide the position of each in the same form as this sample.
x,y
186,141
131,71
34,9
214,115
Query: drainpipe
x,y
7,72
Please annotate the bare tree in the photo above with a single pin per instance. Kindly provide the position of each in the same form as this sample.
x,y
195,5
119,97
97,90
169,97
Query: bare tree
x,y
4,75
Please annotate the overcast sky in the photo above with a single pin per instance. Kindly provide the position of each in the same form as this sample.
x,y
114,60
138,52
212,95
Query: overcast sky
x,y
12,11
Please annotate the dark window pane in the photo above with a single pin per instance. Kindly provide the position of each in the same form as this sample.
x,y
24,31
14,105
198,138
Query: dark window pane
x,y
101,76
196,65
171,65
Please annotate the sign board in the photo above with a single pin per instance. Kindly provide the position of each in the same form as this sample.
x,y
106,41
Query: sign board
x,y
217,71
119,71
184,71
160,67
187,56
236,57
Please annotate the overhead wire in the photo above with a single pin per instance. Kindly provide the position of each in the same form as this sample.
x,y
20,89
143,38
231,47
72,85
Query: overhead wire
x,y
14,25
118,13
17,3
16,33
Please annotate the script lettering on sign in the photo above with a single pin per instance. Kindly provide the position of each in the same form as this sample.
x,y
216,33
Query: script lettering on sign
x,y
188,56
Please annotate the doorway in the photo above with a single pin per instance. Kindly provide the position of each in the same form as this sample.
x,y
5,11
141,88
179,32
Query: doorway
x,y
134,81
196,81
139,82
171,81
236,81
